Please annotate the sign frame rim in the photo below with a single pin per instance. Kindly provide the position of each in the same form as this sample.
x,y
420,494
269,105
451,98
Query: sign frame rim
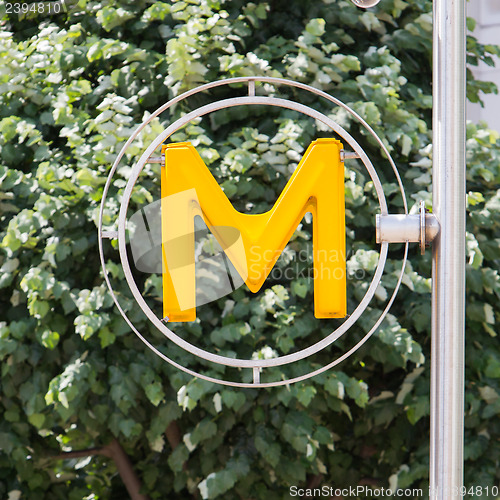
x,y
256,365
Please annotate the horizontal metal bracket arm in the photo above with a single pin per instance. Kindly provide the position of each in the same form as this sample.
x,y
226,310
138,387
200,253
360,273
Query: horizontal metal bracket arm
x,y
401,228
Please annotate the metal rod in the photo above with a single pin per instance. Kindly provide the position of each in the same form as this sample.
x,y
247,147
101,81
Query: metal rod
x,y
110,234
155,159
448,270
348,155
251,87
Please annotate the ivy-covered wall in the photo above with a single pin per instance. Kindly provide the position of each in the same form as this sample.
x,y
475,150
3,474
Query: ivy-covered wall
x,y
80,393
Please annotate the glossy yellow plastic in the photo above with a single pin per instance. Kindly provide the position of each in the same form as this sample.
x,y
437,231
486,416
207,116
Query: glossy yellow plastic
x,y
189,189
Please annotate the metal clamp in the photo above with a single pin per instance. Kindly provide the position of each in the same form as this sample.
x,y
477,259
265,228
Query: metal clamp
x,y
400,228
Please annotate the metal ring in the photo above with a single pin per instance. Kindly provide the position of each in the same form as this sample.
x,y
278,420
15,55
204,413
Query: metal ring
x,y
254,364
282,360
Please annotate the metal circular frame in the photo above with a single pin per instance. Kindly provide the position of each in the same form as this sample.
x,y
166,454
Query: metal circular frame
x,y
122,220
251,99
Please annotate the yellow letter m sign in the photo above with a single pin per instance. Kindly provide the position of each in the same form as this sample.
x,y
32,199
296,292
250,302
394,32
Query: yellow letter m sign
x,y
188,189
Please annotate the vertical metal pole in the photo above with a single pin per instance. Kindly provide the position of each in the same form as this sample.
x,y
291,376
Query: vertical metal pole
x,y
448,288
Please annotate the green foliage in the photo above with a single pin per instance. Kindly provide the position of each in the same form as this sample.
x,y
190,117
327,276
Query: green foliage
x,y
72,89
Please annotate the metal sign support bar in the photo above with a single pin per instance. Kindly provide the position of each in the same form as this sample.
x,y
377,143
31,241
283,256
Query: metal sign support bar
x,y
399,228
448,284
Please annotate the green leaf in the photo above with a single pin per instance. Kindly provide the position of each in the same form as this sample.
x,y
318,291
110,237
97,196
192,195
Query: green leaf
x,y
129,427
357,390
110,17
492,369
37,419
50,339
206,429
471,24
271,452
335,387
233,399
155,393
106,336
217,483
489,394
418,409
300,288
316,27
38,308
305,394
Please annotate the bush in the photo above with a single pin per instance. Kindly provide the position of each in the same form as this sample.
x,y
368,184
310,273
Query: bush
x,y
76,382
